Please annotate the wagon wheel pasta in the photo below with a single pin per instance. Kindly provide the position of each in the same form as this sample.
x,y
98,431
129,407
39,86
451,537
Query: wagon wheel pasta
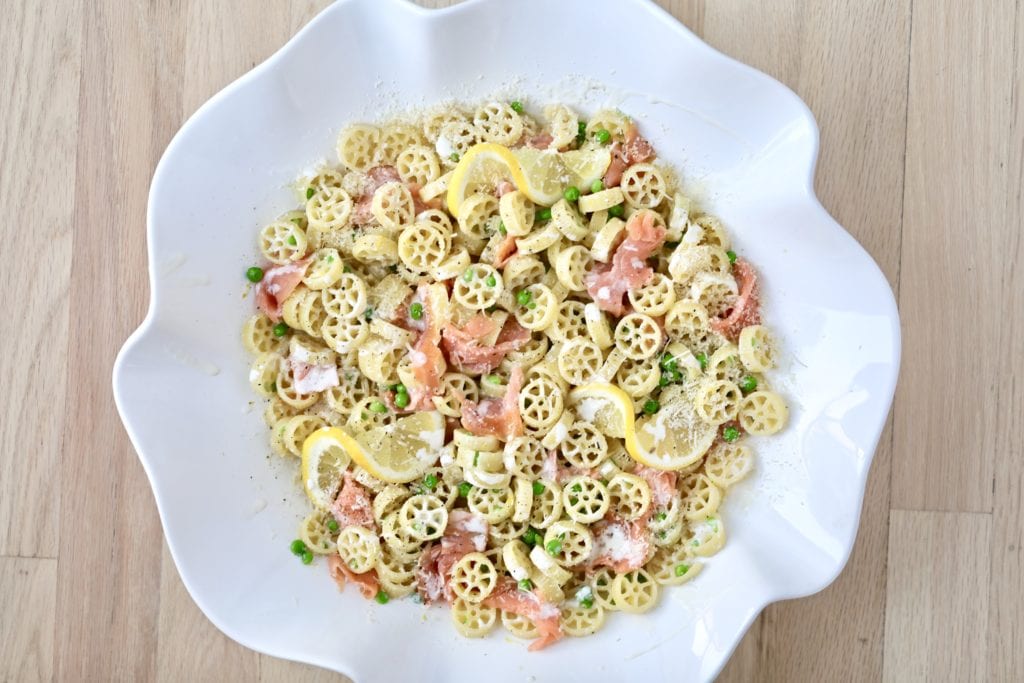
x,y
518,370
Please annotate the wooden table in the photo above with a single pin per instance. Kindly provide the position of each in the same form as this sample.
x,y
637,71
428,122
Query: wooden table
x,y
922,139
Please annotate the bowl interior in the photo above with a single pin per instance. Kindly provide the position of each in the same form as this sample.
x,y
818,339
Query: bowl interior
x,y
746,148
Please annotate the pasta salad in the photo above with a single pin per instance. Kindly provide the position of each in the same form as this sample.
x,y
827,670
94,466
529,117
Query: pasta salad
x,y
515,365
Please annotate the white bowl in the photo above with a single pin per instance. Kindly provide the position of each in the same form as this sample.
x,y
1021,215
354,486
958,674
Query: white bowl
x,y
747,147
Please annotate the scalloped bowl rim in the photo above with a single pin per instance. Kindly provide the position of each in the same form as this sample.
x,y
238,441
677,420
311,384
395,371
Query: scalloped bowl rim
x,y
147,325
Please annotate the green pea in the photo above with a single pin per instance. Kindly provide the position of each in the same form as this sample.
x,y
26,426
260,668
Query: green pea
x,y
401,399
382,597
664,380
532,305
292,241
254,274
544,214
681,569
416,311
430,481
501,228
454,156
618,211
587,602
378,407
525,585
651,406
491,281
577,488
668,362
597,185
572,193
346,269
732,256
661,516
730,434
748,384
332,525
468,275
554,547
523,297
297,547
310,192
538,488
517,106
464,489
280,330
307,557
603,136
702,358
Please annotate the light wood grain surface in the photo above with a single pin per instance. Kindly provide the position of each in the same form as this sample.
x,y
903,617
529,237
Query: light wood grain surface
x,y
922,160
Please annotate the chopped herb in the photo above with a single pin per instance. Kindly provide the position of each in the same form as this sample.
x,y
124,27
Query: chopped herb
x,y
668,363
732,256
526,585
476,458
517,106
587,602
581,132
310,192
640,578
280,330
368,313
618,211
297,221
671,245
382,597
378,407
273,387
430,481
346,269
393,268
730,434
577,487
464,489
661,516
681,569
416,311
501,228
254,274
454,156
702,358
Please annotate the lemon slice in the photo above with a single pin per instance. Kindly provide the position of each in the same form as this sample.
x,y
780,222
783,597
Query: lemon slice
x,y
587,165
605,406
539,174
401,452
673,438
542,175
324,459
